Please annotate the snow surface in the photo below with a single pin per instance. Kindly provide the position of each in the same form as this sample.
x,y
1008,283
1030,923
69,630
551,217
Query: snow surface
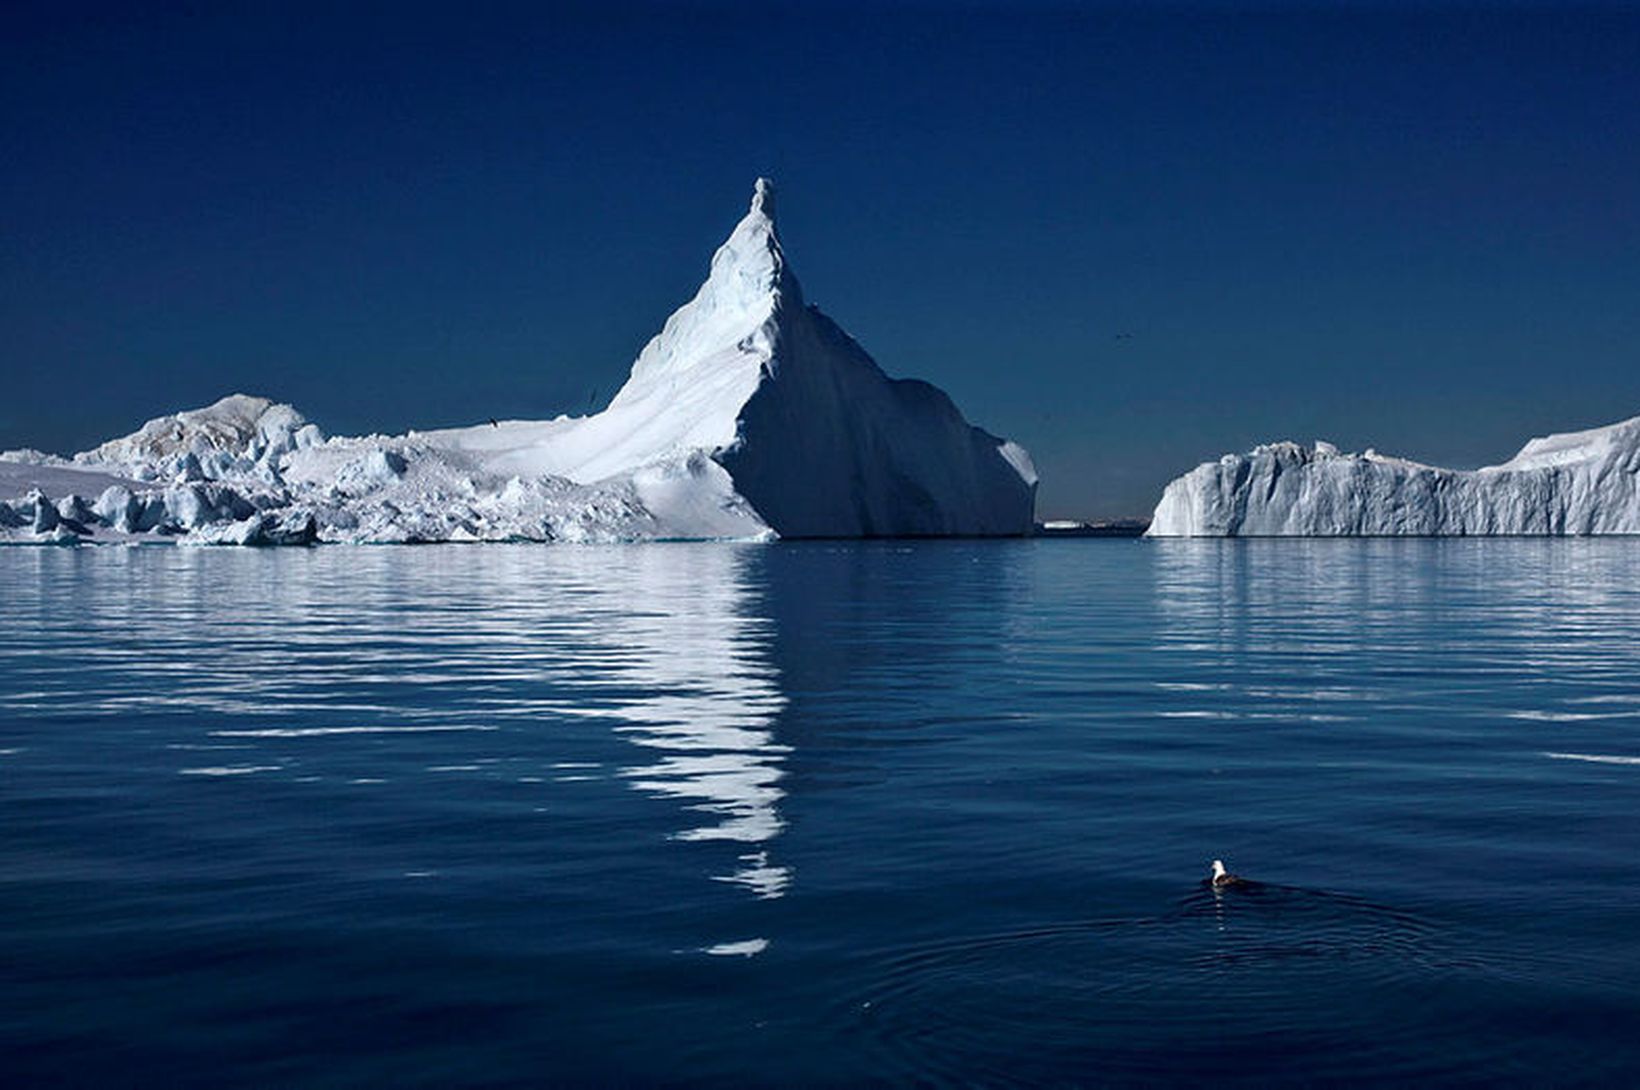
x,y
748,415
1585,482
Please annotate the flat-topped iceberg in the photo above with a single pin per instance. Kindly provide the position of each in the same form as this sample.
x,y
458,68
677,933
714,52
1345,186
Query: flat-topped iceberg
x,y
1585,482
749,415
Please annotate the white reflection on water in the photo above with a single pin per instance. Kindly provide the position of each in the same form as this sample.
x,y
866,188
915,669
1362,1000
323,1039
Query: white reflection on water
x,y
230,770
1595,758
473,650
1321,631
693,682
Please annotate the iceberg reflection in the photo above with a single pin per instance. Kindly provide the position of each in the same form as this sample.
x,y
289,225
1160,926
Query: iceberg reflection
x,y
369,666
689,678
1279,629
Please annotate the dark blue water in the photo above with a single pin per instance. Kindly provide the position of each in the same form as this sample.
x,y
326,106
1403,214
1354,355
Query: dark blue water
x,y
821,814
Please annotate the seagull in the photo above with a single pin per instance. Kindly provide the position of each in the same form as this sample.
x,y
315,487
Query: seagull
x,y
1223,879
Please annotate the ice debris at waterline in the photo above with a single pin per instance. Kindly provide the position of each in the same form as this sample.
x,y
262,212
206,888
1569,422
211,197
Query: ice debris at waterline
x,y
749,415
1585,482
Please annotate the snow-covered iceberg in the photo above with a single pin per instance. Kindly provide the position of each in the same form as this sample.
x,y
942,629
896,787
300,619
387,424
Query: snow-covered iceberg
x,y
749,415
1585,482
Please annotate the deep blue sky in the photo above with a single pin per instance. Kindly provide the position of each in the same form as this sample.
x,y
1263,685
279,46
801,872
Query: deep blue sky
x,y
1410,228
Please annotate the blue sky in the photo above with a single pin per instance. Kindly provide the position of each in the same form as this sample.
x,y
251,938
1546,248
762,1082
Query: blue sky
x,y
1408,227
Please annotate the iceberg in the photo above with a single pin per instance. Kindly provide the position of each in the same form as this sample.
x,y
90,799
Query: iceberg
x,y
751,414
1585,482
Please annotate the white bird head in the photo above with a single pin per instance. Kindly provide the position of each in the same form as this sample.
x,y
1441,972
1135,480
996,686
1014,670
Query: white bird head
x,y
1218,868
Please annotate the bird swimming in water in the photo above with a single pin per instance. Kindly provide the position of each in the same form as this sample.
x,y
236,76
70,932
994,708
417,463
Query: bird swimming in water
x,y
1223,879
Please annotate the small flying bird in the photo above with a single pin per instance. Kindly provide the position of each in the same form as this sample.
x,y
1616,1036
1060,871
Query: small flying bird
x,y
493,424
1123,337
1223,879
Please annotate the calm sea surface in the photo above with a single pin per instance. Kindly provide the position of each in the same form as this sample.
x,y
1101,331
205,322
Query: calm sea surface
x,y
821,814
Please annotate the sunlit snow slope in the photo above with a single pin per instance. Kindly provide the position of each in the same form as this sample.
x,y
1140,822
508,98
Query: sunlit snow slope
x,y
748,414
1585,482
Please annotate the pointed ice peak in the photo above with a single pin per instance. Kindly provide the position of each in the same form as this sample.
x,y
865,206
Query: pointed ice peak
x,y
763,198
732,323
757,227
750,265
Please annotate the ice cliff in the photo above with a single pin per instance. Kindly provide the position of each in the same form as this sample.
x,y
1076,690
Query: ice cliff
x,y
1585,482
750,414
